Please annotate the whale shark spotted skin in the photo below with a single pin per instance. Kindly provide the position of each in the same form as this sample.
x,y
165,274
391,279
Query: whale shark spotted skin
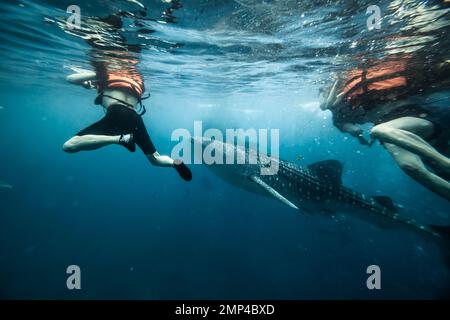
x,y
315,189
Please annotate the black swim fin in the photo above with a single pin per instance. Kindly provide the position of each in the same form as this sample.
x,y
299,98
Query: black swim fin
x,y
184,172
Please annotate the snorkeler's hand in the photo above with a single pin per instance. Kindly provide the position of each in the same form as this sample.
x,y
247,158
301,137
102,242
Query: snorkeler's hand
x,y
356,132
359,134
184,172
89,84
329,99
363,140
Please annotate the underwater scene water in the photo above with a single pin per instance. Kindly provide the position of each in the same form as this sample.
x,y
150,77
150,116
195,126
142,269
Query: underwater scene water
x,y
138,231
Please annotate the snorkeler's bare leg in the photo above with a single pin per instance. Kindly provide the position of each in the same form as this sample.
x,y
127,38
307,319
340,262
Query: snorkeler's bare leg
x,y
407,133
89,142
413,166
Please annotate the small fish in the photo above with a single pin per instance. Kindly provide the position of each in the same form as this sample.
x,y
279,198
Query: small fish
x,y
5,185
299,158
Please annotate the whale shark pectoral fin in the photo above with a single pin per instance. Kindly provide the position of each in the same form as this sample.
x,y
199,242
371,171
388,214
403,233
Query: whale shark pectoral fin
x,y
272,191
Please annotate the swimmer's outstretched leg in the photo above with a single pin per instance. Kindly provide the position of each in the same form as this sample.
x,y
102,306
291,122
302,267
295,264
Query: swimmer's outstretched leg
x,y
407,133
413,166
93,142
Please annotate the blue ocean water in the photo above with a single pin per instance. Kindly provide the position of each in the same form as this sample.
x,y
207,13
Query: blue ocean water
x,y
140,232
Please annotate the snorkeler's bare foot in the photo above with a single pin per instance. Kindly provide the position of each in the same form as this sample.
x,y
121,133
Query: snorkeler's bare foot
x,y
184,172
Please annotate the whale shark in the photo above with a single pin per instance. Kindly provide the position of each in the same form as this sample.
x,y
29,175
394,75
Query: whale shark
x,y
316,189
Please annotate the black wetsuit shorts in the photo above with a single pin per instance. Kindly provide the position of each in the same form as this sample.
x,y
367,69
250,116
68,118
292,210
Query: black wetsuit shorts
x,y
122,120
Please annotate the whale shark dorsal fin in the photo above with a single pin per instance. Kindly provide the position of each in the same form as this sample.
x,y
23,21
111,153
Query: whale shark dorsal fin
x,y
327,170
272,191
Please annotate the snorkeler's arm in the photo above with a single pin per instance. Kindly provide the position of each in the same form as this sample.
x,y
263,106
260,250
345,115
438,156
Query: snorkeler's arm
x,y
351,128
84,79
355,131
